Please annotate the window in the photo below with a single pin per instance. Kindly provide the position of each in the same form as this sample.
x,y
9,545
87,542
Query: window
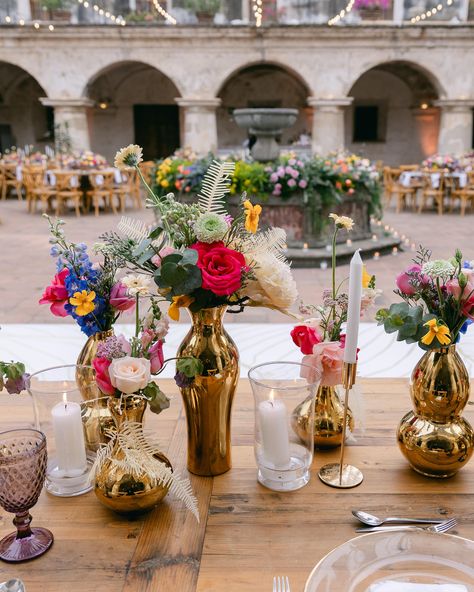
x,y
366,123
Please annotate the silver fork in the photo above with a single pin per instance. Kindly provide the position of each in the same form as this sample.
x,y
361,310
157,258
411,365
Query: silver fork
x,y
281,584
442,527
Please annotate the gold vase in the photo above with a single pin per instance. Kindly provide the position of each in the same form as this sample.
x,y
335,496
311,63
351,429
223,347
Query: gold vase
x,y
96,417
434,438
114,486
208,401
328,418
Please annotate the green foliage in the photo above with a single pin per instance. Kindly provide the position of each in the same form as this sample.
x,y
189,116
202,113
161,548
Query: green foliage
x,y
157,399
11,370
190,367
179,273
407,320
209,6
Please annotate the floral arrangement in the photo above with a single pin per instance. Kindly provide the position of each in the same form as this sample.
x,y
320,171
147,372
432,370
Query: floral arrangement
x,y
88,160
251,177
320,337
287,177
12,155
438,301
383,4
13,377
86,291
443,162
199,256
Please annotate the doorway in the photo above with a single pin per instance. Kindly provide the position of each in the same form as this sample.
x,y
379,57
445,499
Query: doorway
x,y
156,129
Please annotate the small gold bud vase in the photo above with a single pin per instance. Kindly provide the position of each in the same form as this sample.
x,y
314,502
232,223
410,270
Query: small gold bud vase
x,y
434,438
328,418
208,399
117,484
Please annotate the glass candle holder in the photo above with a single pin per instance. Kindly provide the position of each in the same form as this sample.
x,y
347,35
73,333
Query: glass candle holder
x,y
283,457
67,420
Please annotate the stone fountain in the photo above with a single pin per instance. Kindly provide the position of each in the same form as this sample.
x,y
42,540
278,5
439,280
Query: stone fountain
x,y
266,125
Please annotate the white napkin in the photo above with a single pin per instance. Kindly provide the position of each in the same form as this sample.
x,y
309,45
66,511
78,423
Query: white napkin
x,y
407,587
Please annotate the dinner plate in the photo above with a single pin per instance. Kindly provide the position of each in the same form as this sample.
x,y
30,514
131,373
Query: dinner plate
x,y
413,556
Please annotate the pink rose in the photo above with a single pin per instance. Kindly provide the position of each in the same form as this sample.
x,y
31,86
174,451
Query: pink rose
x,y
221,268
327,360
305,337
129,375
56,294
303,183
102,378
119,298
404,280
165,251
453,287
156,357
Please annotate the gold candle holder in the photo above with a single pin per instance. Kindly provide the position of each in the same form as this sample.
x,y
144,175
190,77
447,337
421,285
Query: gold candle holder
x,y
338,474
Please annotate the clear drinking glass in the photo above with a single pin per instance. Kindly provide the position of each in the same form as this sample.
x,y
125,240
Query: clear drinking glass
x,y
283,457
23,460
71,425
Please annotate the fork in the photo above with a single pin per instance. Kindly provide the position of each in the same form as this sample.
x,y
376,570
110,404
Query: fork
x,y
281,584
442,527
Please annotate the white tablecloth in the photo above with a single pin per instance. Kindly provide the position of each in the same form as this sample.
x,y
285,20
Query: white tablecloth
x,y
407,176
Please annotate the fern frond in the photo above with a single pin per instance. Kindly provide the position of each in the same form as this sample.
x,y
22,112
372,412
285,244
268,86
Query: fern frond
x,y
271,241
135,230
214,186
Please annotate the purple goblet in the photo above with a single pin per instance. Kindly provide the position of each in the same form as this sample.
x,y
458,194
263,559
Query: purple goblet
x,y
23,459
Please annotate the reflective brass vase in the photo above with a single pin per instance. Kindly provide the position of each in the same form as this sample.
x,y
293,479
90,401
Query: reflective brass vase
x,y
208,400
434,438
328,418
115,486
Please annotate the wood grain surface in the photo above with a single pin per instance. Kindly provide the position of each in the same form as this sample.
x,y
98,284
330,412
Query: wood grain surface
x,y
247,534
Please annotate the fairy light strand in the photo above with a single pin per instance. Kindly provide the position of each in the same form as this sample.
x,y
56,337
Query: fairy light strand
x,y
164,14
429,13
344,12
118,20
257,7
35,24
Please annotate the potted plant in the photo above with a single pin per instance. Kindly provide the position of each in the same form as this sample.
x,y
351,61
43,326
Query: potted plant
x,y
372,10
205,10
56,9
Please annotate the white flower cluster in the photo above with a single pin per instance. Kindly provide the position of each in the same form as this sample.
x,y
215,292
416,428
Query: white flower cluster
x,y
440,268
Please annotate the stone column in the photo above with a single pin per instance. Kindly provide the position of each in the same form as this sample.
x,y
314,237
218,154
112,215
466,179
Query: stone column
x,y
398,11
328,123
74,113
24,9
199,123
455,134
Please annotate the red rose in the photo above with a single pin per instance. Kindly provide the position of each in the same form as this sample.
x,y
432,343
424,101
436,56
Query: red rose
x,y
305,337
56,294
221,268
102,377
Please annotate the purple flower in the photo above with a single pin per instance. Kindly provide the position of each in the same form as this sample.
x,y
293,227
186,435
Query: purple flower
x,y
303,184
182,380
291,183
274,177
17,385
278,187
289,170
280,171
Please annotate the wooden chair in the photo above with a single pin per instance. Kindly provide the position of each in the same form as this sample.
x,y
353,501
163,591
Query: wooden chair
x,y
430,191
67,189
10,180
102,190
408,167
129,187
392,186
36,188
465,194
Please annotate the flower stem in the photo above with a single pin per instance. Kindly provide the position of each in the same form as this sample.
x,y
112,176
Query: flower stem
x,y
137,316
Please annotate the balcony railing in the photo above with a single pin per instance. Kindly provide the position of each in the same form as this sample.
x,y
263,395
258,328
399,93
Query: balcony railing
x,y
235,12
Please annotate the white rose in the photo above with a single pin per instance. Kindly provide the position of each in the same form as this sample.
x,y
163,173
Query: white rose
x,y
129,375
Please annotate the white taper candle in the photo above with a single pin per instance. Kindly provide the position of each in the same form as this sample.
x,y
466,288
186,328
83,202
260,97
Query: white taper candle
x,y
353,309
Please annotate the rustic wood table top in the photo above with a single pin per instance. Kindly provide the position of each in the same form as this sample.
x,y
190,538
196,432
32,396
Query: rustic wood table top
x,y
247,534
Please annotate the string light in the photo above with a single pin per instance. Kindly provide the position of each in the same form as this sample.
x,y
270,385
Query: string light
x,y
344,12
429,13
163,12
257,8
118,20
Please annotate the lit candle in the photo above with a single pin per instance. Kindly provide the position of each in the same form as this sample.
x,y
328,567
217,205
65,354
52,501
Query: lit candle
x,y
374,238
349,242
305,246
376,255
69,436
353,309
406,242
395,251
323,265
274,431
413,247
386,228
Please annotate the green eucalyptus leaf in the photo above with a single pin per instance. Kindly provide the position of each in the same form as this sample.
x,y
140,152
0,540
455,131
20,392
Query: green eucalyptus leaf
x,y
143,246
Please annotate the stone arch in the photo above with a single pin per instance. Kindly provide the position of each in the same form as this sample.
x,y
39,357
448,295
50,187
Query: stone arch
x,y
23,119
393,116
262,84
134,102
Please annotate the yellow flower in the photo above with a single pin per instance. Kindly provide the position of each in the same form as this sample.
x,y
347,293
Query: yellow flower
x,y
83,301
252,215
177,303
342,221
366,277
436,329
164,183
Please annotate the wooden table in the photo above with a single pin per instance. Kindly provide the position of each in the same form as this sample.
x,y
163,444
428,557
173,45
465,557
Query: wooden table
x,y
247,533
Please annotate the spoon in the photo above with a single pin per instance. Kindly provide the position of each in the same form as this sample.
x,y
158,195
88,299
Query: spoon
x,y
13,585
372,520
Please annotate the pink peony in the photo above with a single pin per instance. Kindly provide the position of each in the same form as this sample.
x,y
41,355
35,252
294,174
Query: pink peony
x,y
165,251
56,294
326,360
404,280
291,183
119,298
156,357
274,177
305,337
303,183
102,378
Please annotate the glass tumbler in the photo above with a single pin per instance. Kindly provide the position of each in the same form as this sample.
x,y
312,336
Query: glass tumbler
x,y
283,457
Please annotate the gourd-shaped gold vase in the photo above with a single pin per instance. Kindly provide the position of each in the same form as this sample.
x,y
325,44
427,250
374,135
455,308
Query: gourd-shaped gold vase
x,y
434,438
115,486
208,400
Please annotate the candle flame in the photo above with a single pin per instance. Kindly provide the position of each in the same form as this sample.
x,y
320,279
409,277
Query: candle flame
x,y
65,399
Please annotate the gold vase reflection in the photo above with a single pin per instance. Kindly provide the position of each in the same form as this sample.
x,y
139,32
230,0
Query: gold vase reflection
x,y
115,487
96,417
328,418
434,438
208,400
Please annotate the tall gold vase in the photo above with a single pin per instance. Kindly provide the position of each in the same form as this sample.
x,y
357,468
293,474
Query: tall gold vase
x,y
208,401
434,438
114,486
328,418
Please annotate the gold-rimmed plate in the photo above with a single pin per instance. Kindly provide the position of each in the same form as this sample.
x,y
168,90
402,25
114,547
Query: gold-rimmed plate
x,y
366,562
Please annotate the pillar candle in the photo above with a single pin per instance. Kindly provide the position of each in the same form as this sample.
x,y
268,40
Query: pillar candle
x,y
69,436
274,432
353,309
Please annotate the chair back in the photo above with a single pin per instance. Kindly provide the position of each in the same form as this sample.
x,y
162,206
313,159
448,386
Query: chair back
x,y
67,181
147,168
129,178
409,167
433,182
10,171
103,181
34,177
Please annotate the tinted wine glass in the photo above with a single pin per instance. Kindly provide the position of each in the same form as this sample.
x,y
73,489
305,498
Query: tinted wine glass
x,y
23,459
